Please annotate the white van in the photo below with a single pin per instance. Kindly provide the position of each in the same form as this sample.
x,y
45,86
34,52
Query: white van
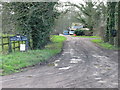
x,y
71,32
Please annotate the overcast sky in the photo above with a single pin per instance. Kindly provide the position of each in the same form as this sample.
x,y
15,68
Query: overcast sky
x,y
73,1
80,1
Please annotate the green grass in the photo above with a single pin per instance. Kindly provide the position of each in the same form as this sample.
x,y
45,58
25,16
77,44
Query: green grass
x,y
16,61
104,45
87,36
4,35
56,38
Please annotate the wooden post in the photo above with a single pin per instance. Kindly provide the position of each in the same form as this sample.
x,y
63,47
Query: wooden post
x,y
119,24
27,46
19,45
10,46
14,45
28,40
2,43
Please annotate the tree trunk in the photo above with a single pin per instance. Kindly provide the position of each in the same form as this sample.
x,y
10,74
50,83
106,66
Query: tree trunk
x,y
116,25
106,37
34,39
112,21
119,24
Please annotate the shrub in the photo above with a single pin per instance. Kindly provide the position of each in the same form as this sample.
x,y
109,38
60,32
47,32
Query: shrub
x,y
79,32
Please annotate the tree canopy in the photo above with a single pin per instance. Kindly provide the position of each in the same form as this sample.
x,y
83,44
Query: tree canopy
x,y
34,19
90,13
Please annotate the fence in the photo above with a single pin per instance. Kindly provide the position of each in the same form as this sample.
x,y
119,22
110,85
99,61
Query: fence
x,y
5,44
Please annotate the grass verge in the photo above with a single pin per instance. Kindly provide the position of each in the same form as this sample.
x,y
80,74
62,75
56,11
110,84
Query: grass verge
x,y
104,45
16,61
87,36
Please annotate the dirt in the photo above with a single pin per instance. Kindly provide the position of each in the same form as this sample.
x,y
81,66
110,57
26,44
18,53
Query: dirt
x,y
81,65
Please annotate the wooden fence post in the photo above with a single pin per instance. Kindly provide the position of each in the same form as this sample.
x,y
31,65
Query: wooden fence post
x,y
19,45
2,43
9,46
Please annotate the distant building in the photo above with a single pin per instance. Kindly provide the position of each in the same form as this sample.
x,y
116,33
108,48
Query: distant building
x,y
76,27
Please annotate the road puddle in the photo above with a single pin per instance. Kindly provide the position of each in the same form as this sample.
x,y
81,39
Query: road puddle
x,y
55,64
109,68
57,60
66,52
115,84
95,74
65,68
72,52
103,71
100,57
101,81
98,78
75,57
96,66
75,60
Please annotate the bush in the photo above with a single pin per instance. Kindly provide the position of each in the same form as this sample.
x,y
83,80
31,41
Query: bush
x,y
79,32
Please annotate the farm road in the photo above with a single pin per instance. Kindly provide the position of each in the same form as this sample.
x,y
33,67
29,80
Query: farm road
x,y
81,65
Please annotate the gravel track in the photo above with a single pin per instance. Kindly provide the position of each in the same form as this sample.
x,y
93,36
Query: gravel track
x,y
81,65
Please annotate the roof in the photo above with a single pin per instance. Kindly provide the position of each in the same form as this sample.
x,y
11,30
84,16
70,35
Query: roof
x,y
76,27
85,29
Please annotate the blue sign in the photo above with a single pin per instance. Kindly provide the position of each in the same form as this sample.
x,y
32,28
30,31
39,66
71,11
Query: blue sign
x,y
18,38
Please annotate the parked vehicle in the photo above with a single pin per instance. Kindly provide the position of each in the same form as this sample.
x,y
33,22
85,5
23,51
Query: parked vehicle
x,y
65,32
74,28
71,32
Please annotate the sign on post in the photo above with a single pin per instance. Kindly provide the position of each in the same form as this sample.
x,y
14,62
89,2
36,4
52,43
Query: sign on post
x,y
23,47
18,38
